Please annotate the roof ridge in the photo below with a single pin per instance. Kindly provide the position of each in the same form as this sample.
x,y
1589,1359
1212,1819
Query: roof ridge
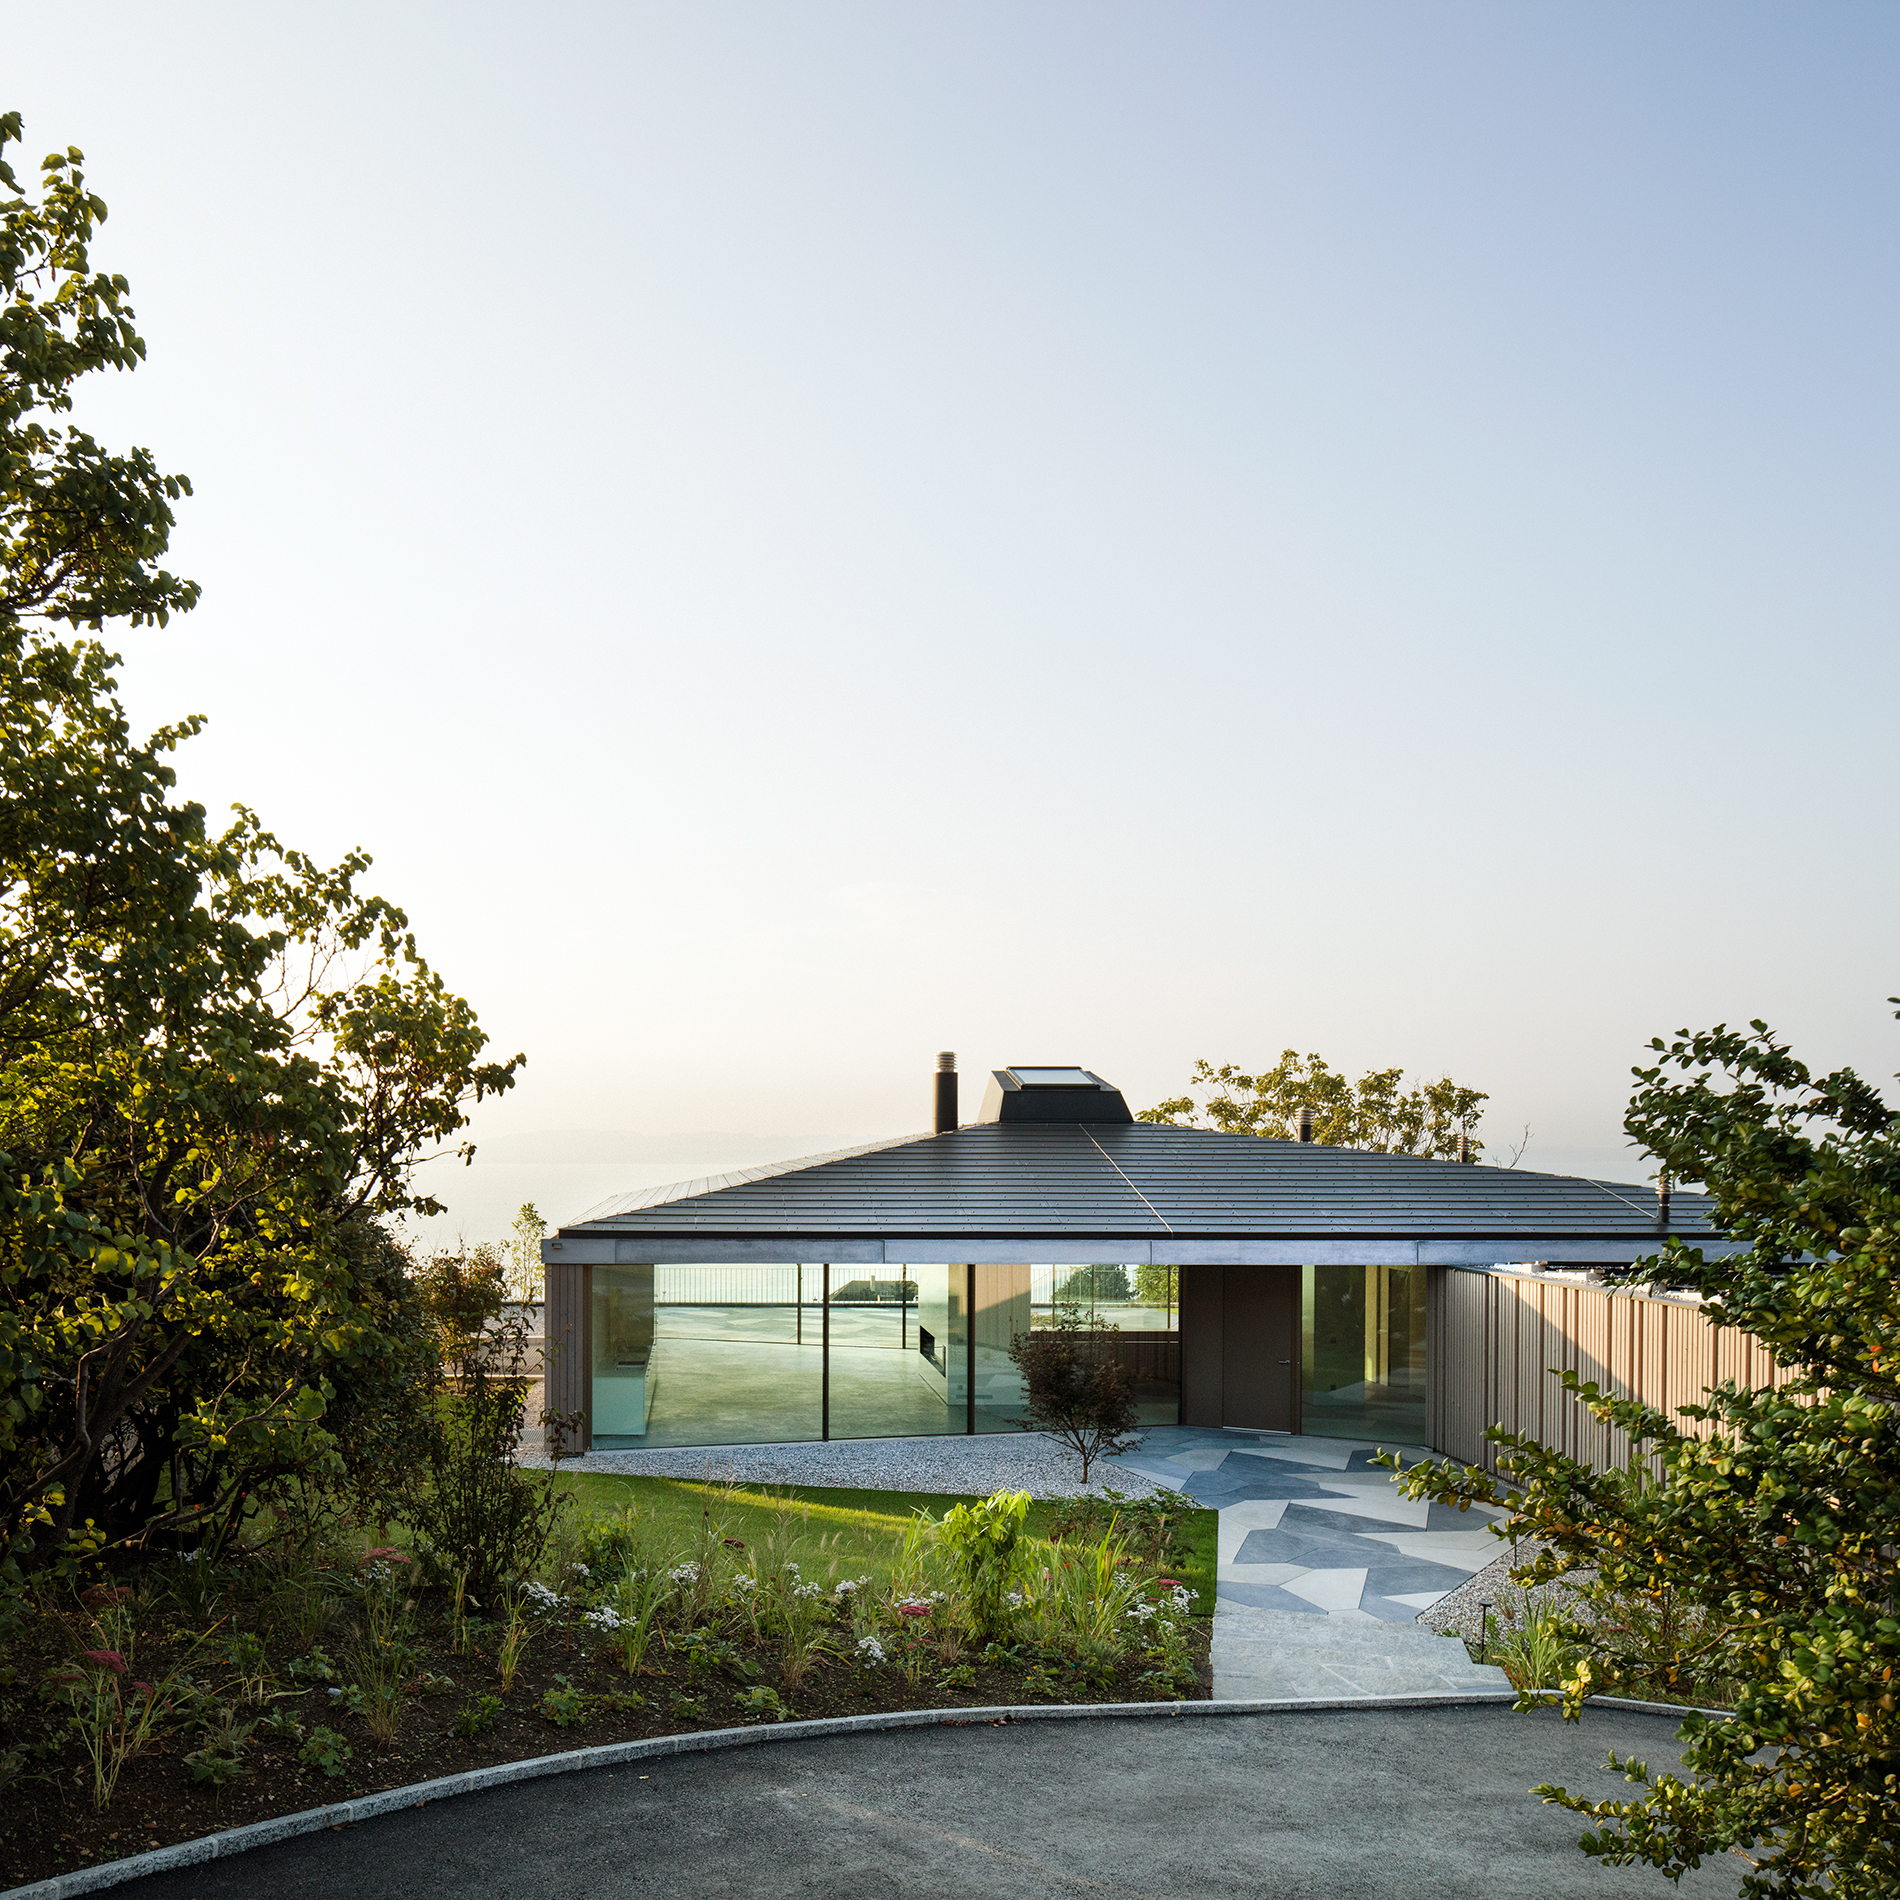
x,y
736,1177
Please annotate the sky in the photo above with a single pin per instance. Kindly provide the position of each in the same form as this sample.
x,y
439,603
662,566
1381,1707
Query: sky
x,y
800,536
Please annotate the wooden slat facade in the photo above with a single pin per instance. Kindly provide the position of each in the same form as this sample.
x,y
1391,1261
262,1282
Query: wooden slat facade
x,y
1494,1339
568,1348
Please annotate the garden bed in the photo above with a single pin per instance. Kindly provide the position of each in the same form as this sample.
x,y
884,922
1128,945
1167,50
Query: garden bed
x,y
279,1684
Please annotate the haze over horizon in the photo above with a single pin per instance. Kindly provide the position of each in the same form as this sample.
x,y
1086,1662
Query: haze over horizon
x,y
802,537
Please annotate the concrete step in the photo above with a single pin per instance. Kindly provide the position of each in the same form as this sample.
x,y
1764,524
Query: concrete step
x,y
1277,1653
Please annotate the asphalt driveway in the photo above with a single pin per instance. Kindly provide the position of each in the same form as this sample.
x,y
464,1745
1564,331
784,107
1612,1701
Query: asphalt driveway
x,y
1398,1804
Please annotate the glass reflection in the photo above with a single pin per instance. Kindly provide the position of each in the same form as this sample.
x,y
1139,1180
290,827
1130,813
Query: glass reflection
x,y
1363,1353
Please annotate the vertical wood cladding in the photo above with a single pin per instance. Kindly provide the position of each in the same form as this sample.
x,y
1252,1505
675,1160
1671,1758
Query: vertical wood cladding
x,y
1202,1291
568,1348
1496,1337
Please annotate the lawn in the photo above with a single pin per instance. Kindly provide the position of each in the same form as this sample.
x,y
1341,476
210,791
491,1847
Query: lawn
x,y
840,1532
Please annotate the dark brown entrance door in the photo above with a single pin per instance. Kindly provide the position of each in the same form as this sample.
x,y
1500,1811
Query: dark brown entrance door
x,y
1260,1349
1240,1347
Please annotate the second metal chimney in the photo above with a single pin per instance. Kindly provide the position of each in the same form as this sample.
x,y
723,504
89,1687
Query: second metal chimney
x,y
945,1119
1304,1124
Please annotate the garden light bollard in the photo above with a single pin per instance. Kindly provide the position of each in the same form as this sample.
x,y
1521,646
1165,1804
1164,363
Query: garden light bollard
x,y
1484,1627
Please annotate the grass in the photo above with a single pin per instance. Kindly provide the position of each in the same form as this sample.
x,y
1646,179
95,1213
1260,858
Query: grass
x,y
834,1531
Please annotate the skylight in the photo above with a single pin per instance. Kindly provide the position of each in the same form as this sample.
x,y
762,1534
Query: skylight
x,y
1054,1079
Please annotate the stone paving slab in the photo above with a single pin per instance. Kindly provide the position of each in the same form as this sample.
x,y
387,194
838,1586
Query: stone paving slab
x,y
1322,1568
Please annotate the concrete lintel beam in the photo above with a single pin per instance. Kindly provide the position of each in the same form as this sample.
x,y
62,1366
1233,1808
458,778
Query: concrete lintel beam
x,y
1288,1253
1511,1253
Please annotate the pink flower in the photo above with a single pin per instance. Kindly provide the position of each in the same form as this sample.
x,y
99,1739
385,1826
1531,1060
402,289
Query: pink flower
x,y
388,1553
913,1609
1171,1583
109,1657
146,1686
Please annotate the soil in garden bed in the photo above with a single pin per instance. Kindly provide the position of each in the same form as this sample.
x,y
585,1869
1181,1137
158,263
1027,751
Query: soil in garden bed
x,y
48,1824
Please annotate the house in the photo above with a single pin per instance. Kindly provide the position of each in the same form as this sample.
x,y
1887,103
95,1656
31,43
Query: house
x,y
1262,1284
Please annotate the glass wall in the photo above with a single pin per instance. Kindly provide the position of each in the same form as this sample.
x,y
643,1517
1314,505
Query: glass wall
x,y
1363,1354
883,1382
1133,1312
706,1355
737,1355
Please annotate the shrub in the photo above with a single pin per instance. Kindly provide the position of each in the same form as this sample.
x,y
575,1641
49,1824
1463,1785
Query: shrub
x,y
485,1517
566,1706
327,1750
985,1541
476,1716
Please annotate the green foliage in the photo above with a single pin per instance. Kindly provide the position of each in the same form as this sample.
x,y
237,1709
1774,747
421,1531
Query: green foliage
x,y
1758,1550
221,1059
484,1517
1156,1285
1151,1526
316,1667
326,1750
1536,1650
1086,1285
220,1758
985,1541
521,1253
477,1716
565,1706
1377,1112
115,1716
763,1701
1074,1388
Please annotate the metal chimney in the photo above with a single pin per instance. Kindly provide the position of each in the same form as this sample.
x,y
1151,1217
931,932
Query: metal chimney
x,y
1662,1202
945,1120
1464,1146
1304,1124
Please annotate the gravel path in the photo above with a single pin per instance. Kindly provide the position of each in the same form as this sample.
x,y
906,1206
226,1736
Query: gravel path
x,y
1013,1461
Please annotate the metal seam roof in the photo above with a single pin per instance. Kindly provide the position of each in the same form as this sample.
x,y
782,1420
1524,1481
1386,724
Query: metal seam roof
x,y
1136,1181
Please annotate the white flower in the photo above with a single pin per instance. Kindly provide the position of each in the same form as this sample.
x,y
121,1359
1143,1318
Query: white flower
x,y
541,1597
870,1651
683,1573
746,1582
805,1592
1015,1599
581,1570
605,1618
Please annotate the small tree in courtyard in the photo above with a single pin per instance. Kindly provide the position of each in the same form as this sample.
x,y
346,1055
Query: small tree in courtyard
x,y
1075,1388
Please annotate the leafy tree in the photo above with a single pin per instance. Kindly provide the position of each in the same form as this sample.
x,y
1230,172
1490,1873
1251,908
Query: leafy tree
x,y
1075,1388
521,1253
1156,1285
222,1060
1377,1112
1088,1285
1771,1518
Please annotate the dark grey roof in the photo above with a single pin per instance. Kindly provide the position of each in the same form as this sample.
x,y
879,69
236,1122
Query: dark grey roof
x,y
1182,1193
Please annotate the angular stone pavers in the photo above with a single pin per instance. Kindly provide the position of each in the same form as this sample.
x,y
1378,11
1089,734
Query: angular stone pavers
x,y
1323,1567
